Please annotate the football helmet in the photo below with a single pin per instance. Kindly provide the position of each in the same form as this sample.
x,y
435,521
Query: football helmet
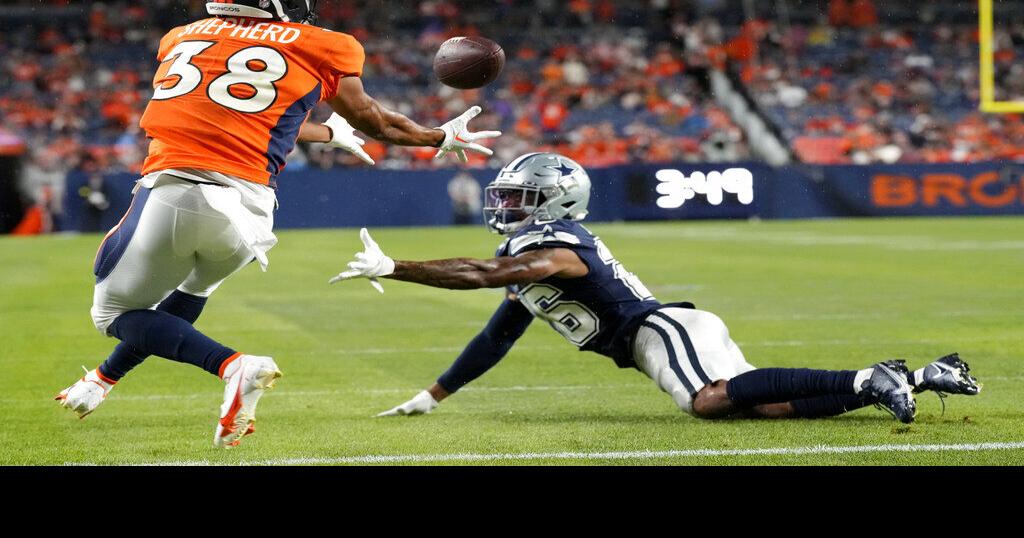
x,y
303,11
536,187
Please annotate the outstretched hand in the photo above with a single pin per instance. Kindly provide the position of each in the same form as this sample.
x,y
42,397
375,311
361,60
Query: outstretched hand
x,y
457,138
370,263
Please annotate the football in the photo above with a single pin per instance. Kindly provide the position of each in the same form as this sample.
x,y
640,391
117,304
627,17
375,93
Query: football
x,y
468,62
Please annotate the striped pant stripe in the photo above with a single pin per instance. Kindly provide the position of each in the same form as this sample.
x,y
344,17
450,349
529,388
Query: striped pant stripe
x,y
688,344
673,360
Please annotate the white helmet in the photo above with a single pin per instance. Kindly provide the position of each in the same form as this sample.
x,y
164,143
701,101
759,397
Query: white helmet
x,y
536,186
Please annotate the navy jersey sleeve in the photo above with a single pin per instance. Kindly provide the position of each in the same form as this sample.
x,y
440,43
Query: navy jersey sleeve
x,y
486,349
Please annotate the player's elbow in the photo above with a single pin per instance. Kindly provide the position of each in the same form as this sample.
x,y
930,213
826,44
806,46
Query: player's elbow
x,y
362,112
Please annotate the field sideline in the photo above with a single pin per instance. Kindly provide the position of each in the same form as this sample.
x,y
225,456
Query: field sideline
x,y
821,294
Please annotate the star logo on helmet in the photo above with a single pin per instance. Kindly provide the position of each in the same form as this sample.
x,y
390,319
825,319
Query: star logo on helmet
x,y
562,169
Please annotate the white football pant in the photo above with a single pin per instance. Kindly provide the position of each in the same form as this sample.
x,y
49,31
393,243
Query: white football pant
x,y
171,238
683,349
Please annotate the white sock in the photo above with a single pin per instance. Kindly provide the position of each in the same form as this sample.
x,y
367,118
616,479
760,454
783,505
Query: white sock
x,y
860,378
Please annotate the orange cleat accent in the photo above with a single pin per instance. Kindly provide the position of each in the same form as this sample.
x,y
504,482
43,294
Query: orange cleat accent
x,y
224,365
247,378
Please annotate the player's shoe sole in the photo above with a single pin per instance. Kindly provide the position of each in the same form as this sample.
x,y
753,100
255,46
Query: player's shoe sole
x,y
243,390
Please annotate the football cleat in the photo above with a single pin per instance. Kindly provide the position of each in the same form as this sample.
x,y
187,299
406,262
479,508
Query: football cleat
x,y
946,375
888,386
86,394
245,379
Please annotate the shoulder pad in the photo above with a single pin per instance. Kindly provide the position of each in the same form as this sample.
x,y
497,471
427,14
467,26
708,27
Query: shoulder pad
x,y
502,248
548,234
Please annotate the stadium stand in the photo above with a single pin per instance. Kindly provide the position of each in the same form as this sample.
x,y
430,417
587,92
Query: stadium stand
x,y
600,92
604,82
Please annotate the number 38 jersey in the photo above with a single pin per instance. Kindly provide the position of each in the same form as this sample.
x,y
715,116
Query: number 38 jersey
x,y
231,93
596,312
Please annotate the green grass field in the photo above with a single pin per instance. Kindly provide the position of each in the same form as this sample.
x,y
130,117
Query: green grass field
x,y
821,294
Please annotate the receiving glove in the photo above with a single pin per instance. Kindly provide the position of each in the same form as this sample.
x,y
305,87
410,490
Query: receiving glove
x,y
420,404
342,136
457,137
370,263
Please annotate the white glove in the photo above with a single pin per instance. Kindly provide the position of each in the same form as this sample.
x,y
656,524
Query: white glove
x,y
342,136
420,404
457,137
370,263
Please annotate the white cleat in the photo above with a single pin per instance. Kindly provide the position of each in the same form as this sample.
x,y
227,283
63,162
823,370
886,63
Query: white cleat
x,y
86,394
245,380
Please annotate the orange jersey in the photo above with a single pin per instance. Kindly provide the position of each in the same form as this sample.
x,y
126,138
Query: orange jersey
x,y
231,93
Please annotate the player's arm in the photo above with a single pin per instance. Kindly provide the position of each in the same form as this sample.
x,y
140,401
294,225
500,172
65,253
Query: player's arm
x,y
484,351
369,116
464,273
468,273
314,132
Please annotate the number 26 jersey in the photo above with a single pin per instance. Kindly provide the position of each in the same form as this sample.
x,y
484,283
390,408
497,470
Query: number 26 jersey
x,y
595,312
231,93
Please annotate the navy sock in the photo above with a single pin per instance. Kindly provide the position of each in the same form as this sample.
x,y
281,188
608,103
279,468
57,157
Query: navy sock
x,y
162,334
829,405
775,385
125,357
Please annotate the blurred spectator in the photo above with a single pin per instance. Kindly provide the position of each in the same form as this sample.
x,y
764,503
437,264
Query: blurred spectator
x,y
95,203
605,82
863,14
42,181
465,194
876,92
78,84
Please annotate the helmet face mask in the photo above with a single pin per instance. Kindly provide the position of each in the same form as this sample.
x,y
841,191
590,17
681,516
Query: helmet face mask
x,y
310,12
509,207
536,187
301,11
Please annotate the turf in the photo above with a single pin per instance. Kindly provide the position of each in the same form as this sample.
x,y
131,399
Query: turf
x,y
821,294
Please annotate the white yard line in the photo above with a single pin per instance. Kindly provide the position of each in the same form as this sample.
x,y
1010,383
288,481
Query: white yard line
x,y
876,315
630,455
761,236
953,340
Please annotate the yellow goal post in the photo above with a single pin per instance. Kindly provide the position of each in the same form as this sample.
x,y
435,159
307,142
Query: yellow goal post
x,y
987,66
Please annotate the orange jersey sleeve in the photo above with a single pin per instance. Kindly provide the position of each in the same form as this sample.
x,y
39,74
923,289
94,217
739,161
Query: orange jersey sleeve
x,y
166,42
230,94
343,57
